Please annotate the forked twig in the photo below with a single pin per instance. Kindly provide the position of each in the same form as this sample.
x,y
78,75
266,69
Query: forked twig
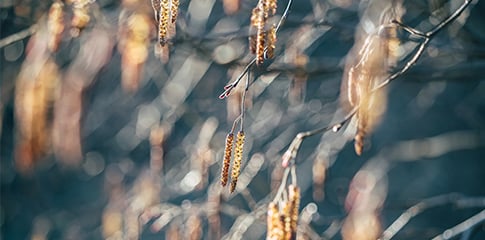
x,y
292,151
228,88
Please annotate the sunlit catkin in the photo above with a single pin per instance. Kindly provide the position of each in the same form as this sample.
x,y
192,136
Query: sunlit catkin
x,y
174,8
261,34
271,39
264,39
272,4
236,167
275,229
163,21
294,198
227,159
55,25
286,217
80,18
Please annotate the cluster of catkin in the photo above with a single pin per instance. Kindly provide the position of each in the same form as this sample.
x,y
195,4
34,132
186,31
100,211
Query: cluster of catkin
x,y
263,43
56,25
282,219
236,166
80,17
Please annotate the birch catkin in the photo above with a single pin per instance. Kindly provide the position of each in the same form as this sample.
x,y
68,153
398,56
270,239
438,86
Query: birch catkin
x,y
275,229
236,167
294,198
163,21
55,25
227,159
264,39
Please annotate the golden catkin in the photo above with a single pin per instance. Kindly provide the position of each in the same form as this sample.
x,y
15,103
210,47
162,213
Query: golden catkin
x,y
227,159
254,24
174,7
236,167
294,198
264,40
81,16
275,229
272,5
163,21
271,36
55,25
261,34
287,221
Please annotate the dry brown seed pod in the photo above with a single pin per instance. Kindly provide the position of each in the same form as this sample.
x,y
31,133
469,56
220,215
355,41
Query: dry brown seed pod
x,y
236,167
227,159
55,25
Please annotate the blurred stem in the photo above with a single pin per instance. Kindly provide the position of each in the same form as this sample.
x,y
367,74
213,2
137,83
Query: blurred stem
x,y
18,36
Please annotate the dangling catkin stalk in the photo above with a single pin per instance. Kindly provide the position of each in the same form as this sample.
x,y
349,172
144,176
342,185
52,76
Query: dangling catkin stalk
x,y
236,167
227,159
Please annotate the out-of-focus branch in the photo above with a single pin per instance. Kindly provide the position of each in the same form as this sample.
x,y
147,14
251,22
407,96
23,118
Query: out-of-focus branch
x,y
294,147
462,227
452,198
18,36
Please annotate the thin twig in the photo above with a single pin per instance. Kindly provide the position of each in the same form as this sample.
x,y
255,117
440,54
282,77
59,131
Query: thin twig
x,y
228,88
18,36
293,149
462,227
406,216
282,185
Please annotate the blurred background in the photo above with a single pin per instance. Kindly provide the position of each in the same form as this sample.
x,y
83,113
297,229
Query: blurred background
x,y
104,136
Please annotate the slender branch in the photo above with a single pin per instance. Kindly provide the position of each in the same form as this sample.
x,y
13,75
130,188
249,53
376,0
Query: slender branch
x,y
18,36
282,185
228,88
404,218
292,151
462,227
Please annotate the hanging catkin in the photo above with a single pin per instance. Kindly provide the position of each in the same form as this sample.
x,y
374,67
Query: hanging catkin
x,y
55,25
236,167
294,198
227,159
